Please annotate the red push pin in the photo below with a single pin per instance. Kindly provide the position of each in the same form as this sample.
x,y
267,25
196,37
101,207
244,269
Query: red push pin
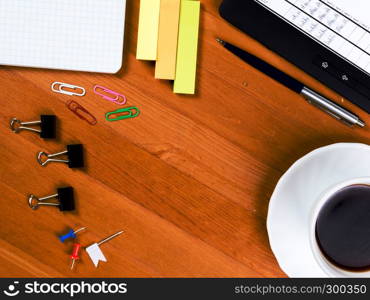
x,y
74,256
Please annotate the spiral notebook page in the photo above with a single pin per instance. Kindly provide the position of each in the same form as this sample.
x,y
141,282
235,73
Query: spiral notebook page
x,y
343,26
81,35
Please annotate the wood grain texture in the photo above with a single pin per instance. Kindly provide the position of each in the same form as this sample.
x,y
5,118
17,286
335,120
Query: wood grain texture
x,y
189,180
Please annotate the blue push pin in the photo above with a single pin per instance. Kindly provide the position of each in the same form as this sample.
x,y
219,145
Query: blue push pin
x,y
70,234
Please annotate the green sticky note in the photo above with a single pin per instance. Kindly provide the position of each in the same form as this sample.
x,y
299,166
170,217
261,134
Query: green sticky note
x,y
187,51
147,39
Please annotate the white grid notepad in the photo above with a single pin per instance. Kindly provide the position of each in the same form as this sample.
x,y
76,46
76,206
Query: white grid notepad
x,y
80,35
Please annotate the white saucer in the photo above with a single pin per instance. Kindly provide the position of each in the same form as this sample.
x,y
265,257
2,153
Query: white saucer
x,y
295,195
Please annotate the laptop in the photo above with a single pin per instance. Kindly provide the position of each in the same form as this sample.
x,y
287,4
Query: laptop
x,y
328,39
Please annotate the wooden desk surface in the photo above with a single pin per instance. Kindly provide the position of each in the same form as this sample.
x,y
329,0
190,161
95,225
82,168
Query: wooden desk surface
x,y
189,180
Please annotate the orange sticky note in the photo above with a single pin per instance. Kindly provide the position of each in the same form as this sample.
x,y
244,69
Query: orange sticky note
x,y
167,39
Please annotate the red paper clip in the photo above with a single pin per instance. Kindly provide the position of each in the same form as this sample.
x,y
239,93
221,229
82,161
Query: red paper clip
x,y
115,99
81,112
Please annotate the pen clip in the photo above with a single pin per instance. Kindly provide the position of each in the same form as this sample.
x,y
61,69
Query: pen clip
x,y
326,110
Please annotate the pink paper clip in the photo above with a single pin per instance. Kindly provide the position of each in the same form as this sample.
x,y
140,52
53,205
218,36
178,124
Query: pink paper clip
x,y
115,99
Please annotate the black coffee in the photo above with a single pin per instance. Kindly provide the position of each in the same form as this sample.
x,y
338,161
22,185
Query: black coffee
x,y
343,228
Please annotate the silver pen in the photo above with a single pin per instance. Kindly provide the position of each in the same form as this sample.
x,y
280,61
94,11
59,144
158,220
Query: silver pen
x,y
311,96
331,108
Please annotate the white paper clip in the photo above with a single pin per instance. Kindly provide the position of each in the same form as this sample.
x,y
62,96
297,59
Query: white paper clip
x,y
94,251
60,87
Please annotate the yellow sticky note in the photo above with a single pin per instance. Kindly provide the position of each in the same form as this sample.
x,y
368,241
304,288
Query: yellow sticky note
x,y
187,49
167,39
147,39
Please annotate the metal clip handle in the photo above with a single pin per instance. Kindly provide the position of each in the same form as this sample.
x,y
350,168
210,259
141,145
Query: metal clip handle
x,y
34,202
49,158
17,125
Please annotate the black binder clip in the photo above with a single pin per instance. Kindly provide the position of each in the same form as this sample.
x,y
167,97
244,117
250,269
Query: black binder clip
x,y
47,126
74,153
66,201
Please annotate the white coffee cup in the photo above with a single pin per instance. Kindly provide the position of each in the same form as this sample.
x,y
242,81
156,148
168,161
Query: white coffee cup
x,y
329,268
